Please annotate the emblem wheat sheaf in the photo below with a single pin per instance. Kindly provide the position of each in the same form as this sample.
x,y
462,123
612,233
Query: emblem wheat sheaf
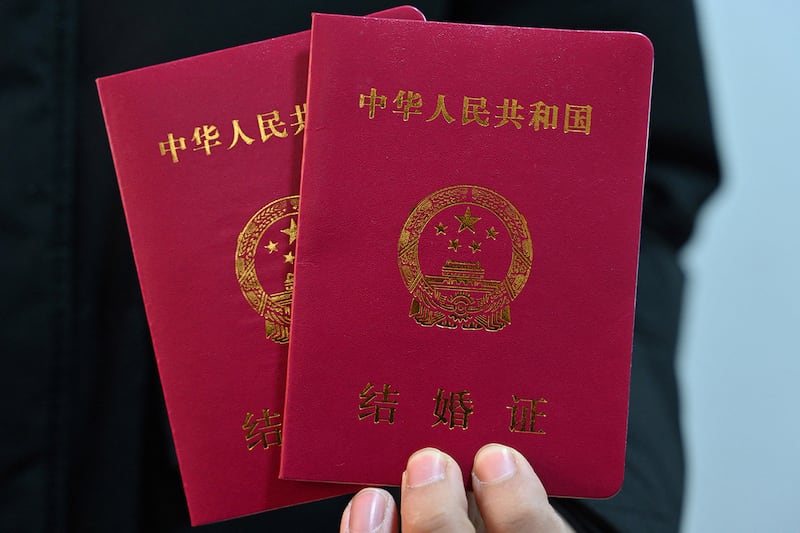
x,y
464,254
263,242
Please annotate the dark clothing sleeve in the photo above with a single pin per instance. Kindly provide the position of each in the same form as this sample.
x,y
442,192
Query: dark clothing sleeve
x,y
85,444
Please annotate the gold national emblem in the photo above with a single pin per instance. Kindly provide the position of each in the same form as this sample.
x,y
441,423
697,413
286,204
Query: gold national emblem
x,y
464,253
266,247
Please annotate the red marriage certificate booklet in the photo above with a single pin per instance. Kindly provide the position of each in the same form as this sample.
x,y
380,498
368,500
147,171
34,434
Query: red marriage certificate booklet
x,y
469,227
207,152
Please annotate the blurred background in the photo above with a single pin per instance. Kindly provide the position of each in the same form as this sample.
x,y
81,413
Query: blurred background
x,y
740,354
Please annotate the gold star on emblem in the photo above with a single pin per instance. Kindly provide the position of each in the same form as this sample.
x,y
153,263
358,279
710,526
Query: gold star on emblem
x,y
491,233
475,246
272,246
441,229
288,258
291,231
454,244
467,221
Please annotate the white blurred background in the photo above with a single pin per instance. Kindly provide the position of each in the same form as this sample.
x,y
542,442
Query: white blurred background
x,y
740,352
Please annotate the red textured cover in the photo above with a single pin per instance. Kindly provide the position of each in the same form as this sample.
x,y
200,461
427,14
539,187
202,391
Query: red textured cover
x,y
521,331
207,152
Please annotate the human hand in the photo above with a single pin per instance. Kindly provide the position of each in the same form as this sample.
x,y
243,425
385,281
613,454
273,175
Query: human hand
x,y
508,494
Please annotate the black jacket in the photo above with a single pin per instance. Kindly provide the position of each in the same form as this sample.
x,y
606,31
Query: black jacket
x,y
85,445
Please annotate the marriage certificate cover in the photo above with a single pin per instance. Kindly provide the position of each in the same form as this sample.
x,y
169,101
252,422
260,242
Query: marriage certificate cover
x,y
207,152
467,249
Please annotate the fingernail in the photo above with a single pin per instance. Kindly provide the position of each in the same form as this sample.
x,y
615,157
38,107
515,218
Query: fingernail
x,y
367,511
425,467
493,463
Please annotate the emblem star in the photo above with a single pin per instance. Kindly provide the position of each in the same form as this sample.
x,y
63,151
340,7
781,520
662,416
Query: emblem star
x,y
491,233
291,231
441,229
475,246
467,221
454,245
272,246
288,258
